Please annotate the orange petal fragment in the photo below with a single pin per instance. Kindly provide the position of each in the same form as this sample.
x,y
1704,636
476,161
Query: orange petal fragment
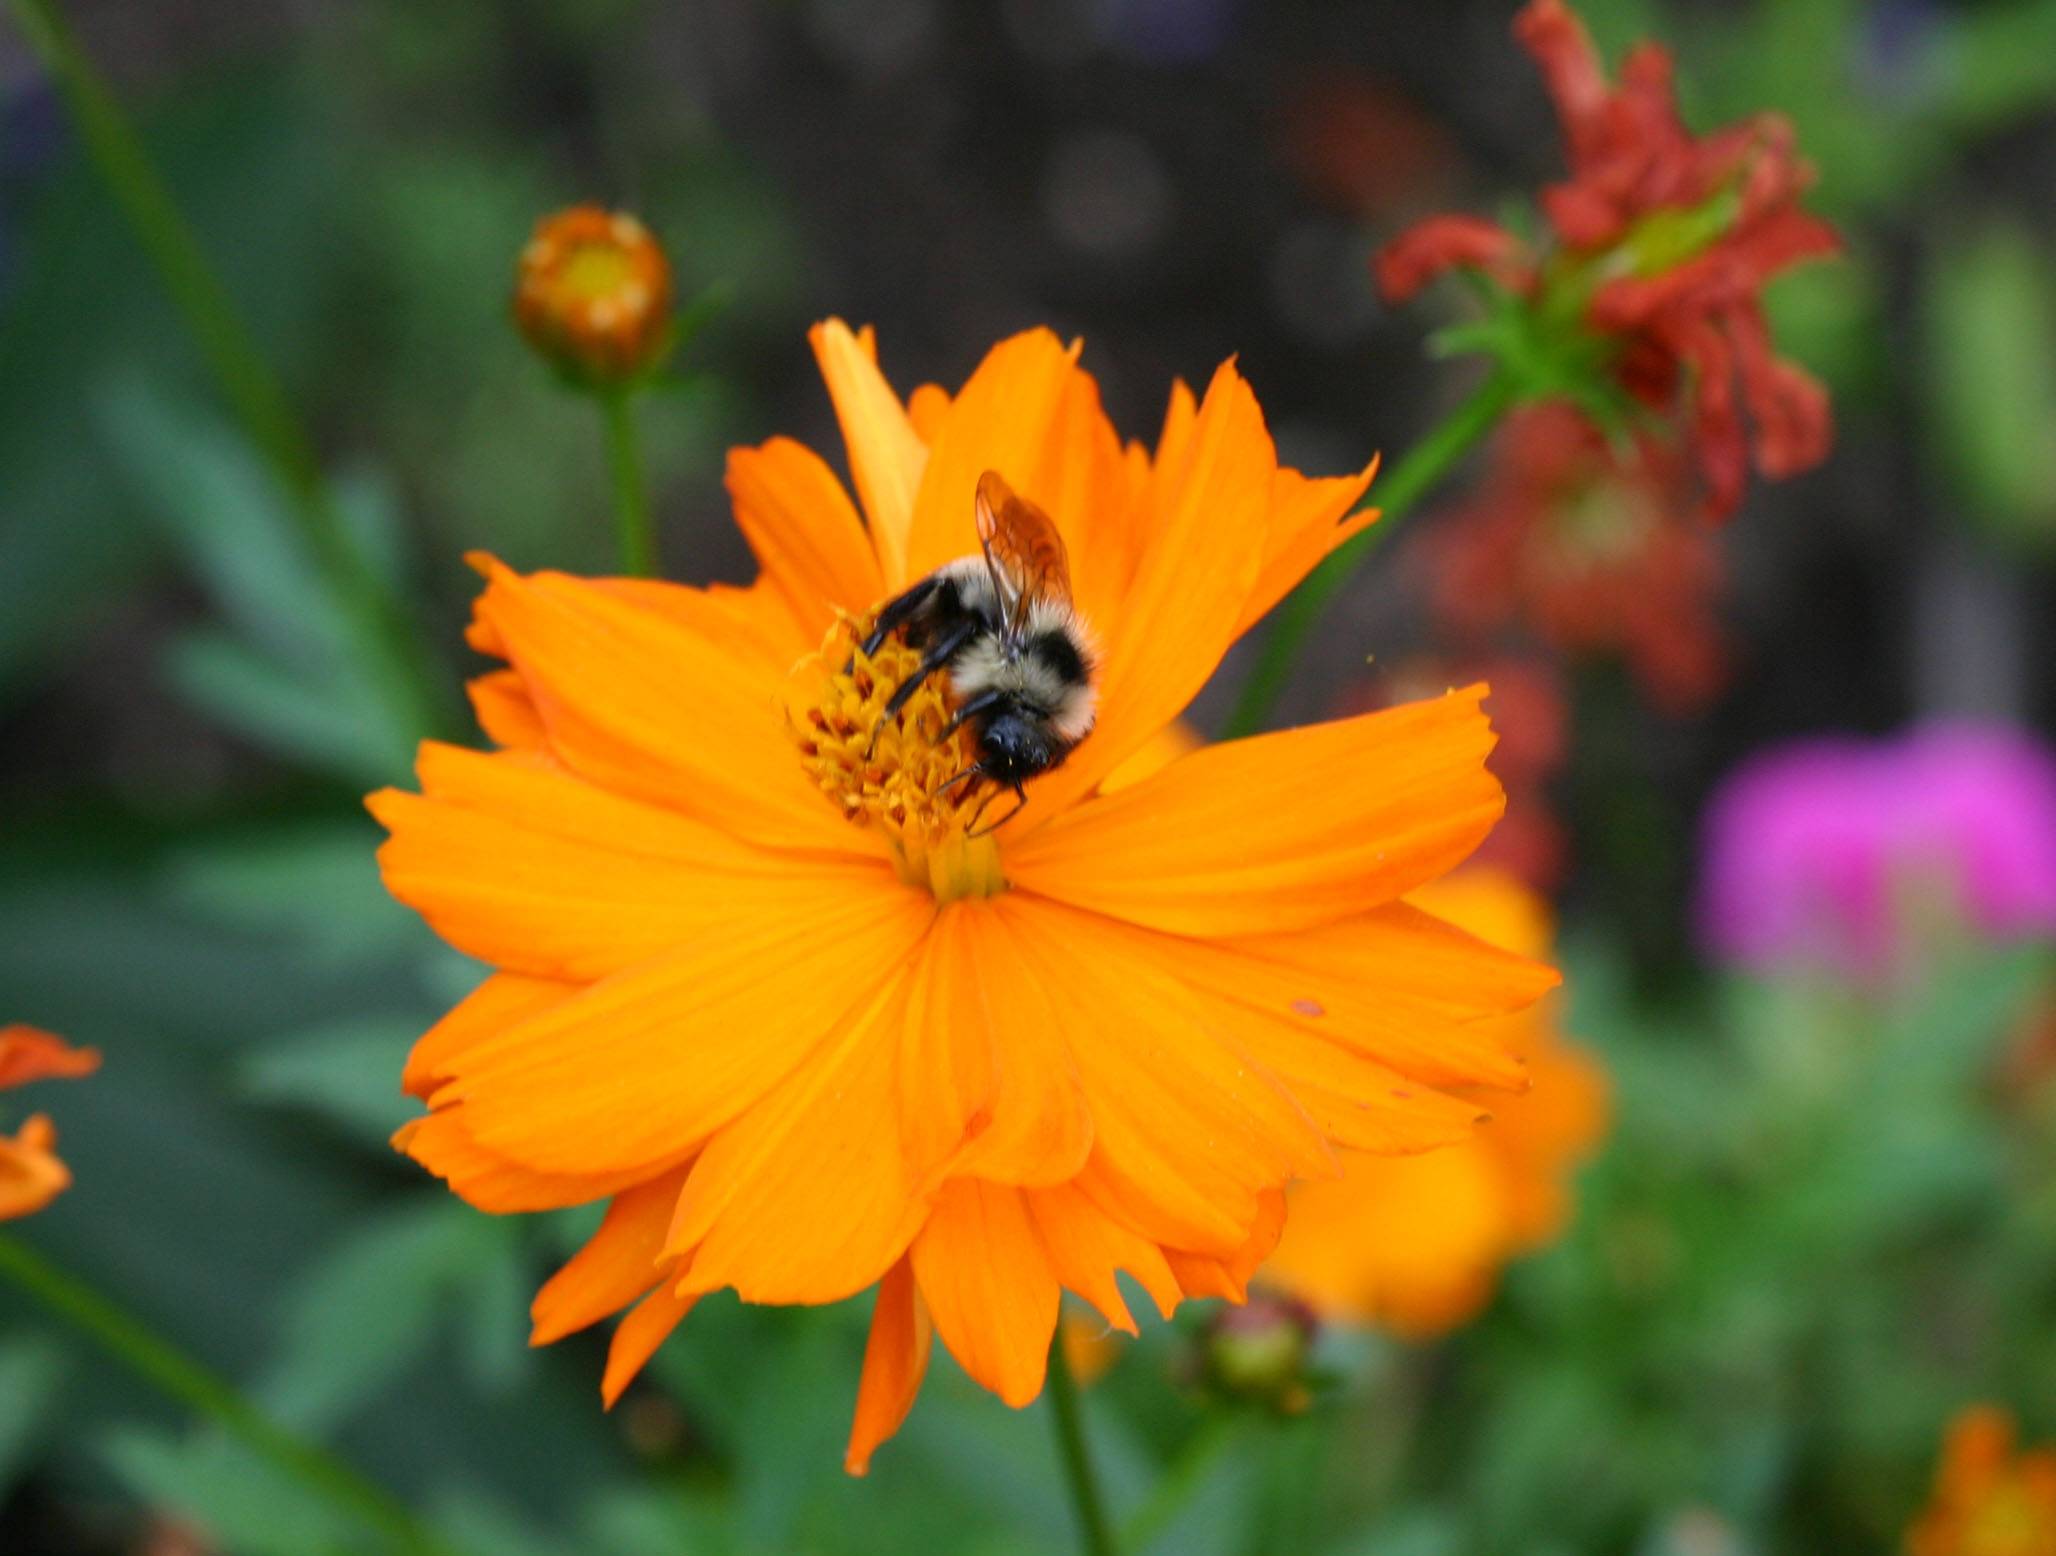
x,y
505,711
886,454
30,1174
805,532
637,1337
895,1361
644,1065
619,1262
1206,517
641,701
1280,831
516,860
1187,1131
988,1084
30,1054
810,1195
1088,1248
989,1286
486,1181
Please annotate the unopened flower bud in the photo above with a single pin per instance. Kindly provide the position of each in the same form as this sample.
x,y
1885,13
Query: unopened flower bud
x,y
594,295
1258,1352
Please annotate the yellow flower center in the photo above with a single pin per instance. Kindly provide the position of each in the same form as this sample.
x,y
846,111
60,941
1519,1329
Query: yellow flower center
x,y
894,771
595,270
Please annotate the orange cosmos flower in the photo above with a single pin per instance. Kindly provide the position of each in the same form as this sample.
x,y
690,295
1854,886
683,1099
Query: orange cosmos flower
x,y
763,987
1663,243
1416,1243
593,294
1989,1500
30,1173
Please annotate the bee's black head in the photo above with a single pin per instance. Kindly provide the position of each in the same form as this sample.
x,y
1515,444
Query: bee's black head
x,y
1015,746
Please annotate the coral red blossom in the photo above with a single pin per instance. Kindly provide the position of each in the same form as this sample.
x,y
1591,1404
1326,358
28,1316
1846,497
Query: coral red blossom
x,y
1663,243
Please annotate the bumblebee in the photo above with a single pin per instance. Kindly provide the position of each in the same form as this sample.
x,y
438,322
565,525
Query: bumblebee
x,y
1002,627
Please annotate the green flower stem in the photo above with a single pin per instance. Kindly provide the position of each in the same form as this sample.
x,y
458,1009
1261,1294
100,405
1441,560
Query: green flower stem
x,y
632,519
1095,1535
177,1374
1195,1461
1411,479
246,380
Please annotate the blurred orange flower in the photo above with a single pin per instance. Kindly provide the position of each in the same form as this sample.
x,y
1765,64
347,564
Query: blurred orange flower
x,y
1989,1500
30,1173
593,294
1584,547
772,997
1664,242
1415,1243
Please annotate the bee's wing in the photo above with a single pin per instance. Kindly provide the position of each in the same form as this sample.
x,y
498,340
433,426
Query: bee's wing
x,y
1023,551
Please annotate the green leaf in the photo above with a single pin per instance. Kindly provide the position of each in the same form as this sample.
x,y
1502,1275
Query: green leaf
x,y
246,1505
347,1072
30,1370
369,1306
1990,318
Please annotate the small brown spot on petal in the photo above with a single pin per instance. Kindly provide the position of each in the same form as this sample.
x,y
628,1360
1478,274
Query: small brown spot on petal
x,y
1307,1007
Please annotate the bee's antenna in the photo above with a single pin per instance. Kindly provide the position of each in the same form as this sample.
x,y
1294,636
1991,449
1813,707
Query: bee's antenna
x,y
1020,804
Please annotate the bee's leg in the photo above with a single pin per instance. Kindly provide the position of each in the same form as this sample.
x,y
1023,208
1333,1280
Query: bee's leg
x,y
897,611
984,702
1020,803
940,653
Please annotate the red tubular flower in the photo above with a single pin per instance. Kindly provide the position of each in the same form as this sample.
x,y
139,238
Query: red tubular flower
x,y
1664,242
1581,546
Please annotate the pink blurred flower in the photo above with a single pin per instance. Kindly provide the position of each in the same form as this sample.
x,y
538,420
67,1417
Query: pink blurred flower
x,y
1837,853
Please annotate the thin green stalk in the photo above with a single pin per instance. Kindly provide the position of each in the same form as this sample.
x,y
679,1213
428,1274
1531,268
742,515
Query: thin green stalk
x,y
1195,1461
159,1362
1411,479
246,380
632,519
1095,1534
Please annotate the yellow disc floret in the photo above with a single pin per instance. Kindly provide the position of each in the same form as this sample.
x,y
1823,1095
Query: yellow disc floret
x,y
902,773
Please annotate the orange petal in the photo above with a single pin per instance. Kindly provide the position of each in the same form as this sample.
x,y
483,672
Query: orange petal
x,y
1280,831
810,1195
1308,519
1227,1276
988,1085
442,1143
30,1174
505,711
514,859
1394,984
1174,740
494,1005
1006,418
807,536
886,455
618,1263
1206,518
637,1337
643,1065
988,1286
926,407
1087,1248
1187,1131
30,1054
895,1361
641,702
